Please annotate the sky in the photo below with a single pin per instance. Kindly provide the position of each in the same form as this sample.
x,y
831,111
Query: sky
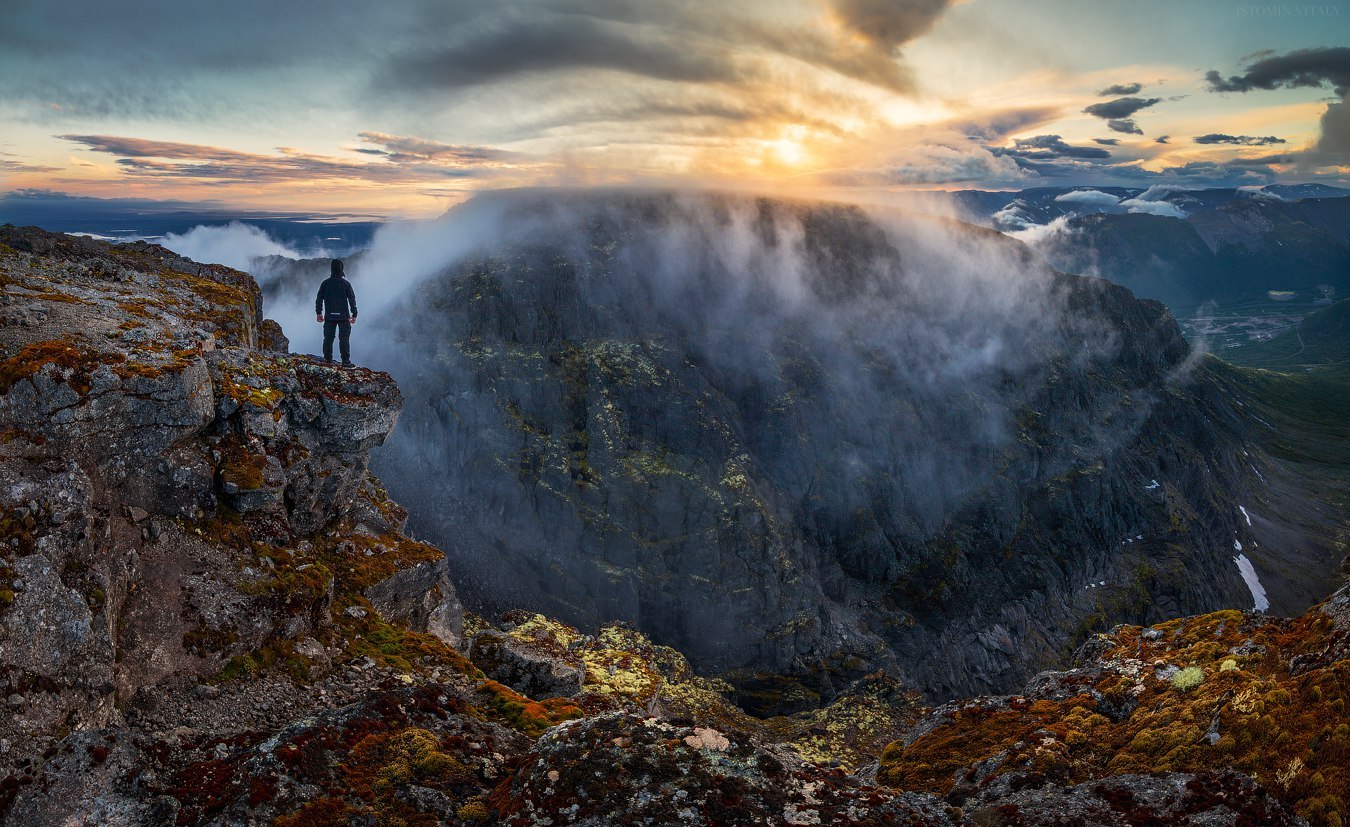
x,y
406,107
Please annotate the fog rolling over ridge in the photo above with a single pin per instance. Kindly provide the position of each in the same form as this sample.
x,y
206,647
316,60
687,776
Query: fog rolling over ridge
x,y
791,438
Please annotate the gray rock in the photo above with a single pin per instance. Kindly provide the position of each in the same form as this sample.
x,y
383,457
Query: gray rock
x,y
530,668
424,598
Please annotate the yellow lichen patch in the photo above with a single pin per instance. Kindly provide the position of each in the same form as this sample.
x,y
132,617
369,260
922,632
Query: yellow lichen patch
x,y
537,628
380,764
852,730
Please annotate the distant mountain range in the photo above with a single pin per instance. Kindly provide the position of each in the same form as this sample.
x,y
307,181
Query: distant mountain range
x,y
129,219
1183,247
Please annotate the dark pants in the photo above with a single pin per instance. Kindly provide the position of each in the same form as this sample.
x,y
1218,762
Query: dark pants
x,y
344,332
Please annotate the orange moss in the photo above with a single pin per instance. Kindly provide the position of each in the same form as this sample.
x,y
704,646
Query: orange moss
x,y
239,465
1285,730
523,714
76,364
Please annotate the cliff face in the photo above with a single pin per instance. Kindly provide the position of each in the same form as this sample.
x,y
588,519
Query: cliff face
x,y
179,503
785,439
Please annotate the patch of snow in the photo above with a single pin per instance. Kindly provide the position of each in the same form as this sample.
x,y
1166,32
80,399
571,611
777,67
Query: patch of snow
x,y
1253,582
1138,536
1152,486
1245,514
1237,544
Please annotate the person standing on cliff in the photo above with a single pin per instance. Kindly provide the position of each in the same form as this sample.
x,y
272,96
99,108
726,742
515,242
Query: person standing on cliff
x,y
335,306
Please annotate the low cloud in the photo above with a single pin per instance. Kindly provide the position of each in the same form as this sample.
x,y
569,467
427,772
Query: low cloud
x,y
1044,147
1121,89
1092,198
942,164
1125,125
1152,201
1107,141
234,245
1163,208
1241,140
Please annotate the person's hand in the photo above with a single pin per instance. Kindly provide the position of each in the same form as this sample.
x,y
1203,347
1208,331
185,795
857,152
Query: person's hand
x,y
351,320
318,317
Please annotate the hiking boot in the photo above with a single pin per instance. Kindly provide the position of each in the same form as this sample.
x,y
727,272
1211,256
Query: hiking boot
x,y
348,363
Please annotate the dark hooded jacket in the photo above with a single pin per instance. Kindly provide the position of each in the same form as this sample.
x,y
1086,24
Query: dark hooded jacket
x,y
336,295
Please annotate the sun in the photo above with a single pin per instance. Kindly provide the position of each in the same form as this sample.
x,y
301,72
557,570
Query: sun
x,y
788,151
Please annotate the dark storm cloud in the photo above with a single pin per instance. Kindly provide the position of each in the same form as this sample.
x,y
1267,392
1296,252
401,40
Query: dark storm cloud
x,y
1048,147
689,42
520,42
1120,107
1121,89
1240,140
1301,68
1335,140
152,58
1124,125
402,160
1304,68
1107,141
889,24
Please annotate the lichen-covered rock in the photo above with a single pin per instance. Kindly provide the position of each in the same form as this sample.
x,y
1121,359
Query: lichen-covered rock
x,y
527,667
1207,799
1266,697
179,509
621,768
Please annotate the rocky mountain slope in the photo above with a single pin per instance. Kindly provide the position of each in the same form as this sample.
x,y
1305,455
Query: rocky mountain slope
x,y
788,439
209,615
1237,249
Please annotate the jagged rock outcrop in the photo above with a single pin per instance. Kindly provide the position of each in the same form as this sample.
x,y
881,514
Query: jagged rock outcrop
x,y
176,502
620,768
